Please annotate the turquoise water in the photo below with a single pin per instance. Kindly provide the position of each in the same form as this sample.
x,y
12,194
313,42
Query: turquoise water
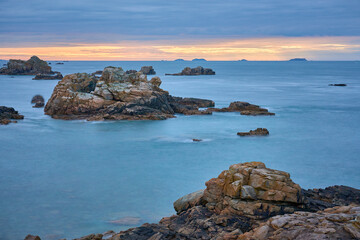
x,y
70,178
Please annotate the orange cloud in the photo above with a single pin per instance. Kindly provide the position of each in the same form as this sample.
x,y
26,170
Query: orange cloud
x,y
281,48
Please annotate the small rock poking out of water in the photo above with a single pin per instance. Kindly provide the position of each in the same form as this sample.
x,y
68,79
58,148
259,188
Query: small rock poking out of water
x,y
338,85
32,237
256,132
197,140
193,72
7,114
39,101
126,221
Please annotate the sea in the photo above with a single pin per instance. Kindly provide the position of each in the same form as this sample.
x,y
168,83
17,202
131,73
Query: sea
x,y
67,179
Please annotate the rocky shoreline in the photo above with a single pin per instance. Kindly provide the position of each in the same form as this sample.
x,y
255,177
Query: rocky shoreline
x,y
250,201
9,115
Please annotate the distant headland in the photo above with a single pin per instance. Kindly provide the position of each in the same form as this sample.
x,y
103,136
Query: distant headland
x,y
298,60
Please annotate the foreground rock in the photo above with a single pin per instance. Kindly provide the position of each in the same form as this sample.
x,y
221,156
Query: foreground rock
x,y
32,66
117,95
8,114
244,108
54,76
38,100
256,132
148,70
193,72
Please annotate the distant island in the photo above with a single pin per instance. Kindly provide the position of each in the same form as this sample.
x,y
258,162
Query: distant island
x,y
199,59
243,60
298,60
179,60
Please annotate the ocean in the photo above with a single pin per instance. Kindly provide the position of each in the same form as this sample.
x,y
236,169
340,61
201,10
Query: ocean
x,y
67,179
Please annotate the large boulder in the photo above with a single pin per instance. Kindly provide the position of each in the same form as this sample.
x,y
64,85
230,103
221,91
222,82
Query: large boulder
x,y
148,70
8,114
38,100
32,66
116,95
193,72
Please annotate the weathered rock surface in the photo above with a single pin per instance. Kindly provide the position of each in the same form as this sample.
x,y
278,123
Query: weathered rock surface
x,y
244,108
116,95
44,76
38,100
7,114
193,71
332,223
32,66
148,70
256,132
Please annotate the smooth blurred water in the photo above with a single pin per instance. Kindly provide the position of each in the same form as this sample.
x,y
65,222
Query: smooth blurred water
x,y
69,178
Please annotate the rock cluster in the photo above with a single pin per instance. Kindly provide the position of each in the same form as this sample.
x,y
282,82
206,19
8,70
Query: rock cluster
x,y
256,132
32,66
244,108
7,114
38,100
44,76
116,95
193,71
148,70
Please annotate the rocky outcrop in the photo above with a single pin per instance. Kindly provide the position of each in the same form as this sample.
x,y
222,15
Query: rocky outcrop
x,y
44,76
256,132
38,100
8,114
148,70
338,85
298,60
116,95
32,66
193,71
244,108
333,223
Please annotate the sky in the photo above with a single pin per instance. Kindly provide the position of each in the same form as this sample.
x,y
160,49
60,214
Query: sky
x,y
171,29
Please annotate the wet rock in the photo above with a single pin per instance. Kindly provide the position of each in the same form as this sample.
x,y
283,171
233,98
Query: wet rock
x,y
193,71
7,114
256,132
44,76
38,100
338,85
148,70
244,108
32,66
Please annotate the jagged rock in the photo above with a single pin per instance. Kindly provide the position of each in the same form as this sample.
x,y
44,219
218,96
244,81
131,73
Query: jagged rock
x,y
244,108
333,223
256,132
7,114
44,76
194,71
115,96
32,66
148,70
338,85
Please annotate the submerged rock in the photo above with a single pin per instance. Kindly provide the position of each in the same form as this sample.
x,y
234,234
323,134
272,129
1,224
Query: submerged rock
x,y
256,132
148,70
193,71
32,66
7,114
43,76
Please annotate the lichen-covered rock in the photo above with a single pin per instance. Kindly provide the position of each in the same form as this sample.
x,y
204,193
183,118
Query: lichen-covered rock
x,y
32,66
244,108
251,189
332,223
7,114
193,71
256,132
148,70
116,95
45,76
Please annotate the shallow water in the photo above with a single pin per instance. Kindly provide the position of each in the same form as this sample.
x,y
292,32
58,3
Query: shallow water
x,y
70,178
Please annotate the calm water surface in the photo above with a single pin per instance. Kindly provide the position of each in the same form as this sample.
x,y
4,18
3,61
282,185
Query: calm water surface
x,y
66,179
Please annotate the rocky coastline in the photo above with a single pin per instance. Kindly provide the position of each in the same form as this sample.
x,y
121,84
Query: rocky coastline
x,y
9,115
33,66
127,95
250,201
193,72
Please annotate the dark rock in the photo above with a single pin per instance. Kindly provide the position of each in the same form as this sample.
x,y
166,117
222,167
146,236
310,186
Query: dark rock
x,y
131,71
194,71
179,60
38,100
59,63
148,70
199,60
7,114
97,72
53,76
31,237
197,140
338,85
91,237
244,108
256,132
32,66
298,60
194,102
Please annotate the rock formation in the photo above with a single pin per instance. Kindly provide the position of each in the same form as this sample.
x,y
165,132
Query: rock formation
x,y
338,85
252,202
148,70
193,71
38,100
116,95
244,108
44,76
7,114
256,132
32,66
298,60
